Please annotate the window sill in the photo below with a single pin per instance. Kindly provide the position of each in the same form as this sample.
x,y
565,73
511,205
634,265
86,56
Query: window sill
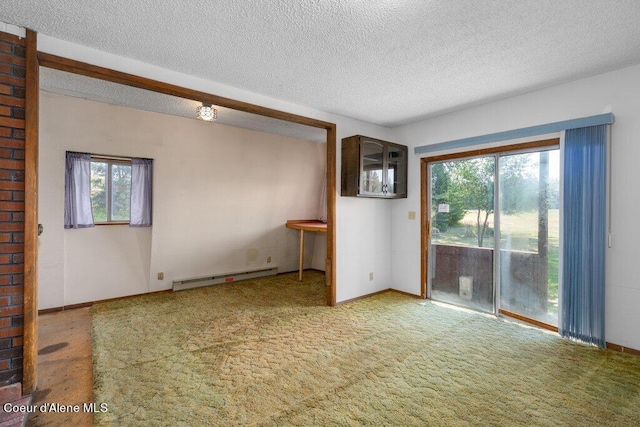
x,y
99,224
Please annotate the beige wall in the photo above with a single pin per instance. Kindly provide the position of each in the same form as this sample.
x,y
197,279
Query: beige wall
x,y
221,198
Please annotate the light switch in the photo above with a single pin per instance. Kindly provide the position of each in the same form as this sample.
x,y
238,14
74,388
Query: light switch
x,y
412,215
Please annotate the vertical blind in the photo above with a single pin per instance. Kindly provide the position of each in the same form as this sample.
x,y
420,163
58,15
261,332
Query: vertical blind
x,y
584,234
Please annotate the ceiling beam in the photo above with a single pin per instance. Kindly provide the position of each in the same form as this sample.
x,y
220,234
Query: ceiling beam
x,y
94,71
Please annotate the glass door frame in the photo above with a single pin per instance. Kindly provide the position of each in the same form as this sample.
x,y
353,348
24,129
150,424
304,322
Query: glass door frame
x,y
425,217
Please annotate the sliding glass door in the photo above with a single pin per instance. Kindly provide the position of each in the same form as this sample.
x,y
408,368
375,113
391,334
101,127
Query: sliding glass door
x,y
529,235
493,235
461,253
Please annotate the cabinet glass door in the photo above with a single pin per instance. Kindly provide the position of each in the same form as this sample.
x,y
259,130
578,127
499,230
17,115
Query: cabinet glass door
x,y
395,171
371,174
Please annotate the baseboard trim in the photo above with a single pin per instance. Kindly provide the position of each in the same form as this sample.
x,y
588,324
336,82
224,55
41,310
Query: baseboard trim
x,y
90,303
409,294
377,293
622,349
362,297
280,273
529,320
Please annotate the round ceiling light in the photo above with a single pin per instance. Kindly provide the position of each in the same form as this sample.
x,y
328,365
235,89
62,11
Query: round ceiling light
x,y
206,112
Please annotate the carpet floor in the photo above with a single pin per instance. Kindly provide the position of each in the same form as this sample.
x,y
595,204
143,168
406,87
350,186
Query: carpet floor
x,y
268,352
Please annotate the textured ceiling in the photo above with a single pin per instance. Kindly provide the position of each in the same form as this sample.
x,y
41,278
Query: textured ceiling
x,y
112,93
389,62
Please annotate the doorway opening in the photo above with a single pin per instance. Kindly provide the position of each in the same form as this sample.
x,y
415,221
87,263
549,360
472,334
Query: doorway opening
x,y
35,60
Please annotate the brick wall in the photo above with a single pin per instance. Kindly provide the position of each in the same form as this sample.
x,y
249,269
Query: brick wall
x,y
12,104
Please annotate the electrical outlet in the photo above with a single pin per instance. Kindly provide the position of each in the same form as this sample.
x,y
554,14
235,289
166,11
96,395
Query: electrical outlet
x,y
161,276
268,260
371,276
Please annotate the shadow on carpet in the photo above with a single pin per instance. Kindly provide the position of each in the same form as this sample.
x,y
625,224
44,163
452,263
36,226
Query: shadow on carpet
x,y
268,352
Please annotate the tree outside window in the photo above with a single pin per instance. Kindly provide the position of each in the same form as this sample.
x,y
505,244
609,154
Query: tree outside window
x,y
110,191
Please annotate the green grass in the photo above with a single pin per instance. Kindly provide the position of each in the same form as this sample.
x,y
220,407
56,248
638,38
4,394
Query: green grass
x,y
522,229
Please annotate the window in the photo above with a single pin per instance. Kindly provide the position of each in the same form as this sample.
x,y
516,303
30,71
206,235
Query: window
x,y
110,190
107,190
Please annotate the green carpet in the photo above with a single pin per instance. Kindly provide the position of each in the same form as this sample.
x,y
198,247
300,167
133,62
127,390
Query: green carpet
x,y
268,352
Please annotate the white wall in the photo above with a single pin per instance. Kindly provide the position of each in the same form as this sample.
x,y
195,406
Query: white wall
x,y
363,236
617,92
221,198
363,233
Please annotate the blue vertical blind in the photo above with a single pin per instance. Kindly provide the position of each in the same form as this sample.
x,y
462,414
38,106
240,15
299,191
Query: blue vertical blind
x,y
584,234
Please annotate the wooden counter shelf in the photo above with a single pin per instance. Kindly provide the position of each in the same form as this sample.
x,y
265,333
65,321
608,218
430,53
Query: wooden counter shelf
x,y
303,225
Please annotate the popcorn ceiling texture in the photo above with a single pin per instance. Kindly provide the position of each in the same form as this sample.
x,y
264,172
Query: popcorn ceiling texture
x,y
112,93
388,62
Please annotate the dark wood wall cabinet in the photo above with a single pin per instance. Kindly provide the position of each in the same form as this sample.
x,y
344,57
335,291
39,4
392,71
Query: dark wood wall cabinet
x,y
373,168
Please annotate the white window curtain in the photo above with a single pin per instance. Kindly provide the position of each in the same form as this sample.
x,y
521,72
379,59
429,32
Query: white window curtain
x,y
77,191
141,192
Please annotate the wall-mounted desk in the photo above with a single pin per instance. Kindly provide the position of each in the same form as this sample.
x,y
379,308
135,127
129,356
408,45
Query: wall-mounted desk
x,y
305,225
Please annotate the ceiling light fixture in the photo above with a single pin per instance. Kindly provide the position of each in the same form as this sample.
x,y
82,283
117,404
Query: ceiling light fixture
x,y
206,112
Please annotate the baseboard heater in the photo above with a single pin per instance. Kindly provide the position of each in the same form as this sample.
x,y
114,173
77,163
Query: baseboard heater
x,y
198,282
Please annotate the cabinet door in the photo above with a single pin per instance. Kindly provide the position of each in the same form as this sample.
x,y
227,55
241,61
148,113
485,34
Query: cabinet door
x,y
372,155
396,172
